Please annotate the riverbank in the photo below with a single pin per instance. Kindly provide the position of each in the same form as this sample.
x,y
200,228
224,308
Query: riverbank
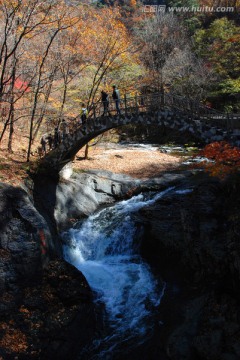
x,y
138,162
141,162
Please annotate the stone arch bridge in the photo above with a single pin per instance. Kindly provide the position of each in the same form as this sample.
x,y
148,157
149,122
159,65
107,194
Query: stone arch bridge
x,y
173,112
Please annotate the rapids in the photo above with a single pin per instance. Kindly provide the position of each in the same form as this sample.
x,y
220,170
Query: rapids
x,y
105,248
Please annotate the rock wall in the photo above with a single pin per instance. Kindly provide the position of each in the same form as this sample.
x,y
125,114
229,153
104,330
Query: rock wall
x,y
83,193
193,241
44,303
24,241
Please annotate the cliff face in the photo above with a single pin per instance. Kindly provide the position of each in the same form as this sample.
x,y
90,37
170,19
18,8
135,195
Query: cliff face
x,y
25,239
200,227
192,239
44,303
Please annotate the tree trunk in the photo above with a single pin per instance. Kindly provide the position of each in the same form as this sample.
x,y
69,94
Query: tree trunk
x,y
11,130
36,95
86,152
47,95
4,128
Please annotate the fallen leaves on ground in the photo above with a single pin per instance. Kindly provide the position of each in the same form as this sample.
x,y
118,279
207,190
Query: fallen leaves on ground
x,y
136,163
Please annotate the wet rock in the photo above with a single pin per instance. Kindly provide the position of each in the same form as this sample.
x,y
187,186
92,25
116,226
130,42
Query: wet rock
x,y
65,201
61,203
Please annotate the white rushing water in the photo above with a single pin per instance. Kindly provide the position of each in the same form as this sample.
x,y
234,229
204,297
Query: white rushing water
x,y
105,249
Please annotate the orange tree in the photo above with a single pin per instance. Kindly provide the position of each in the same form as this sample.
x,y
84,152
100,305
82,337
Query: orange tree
x,y
109,54
107,47
225,159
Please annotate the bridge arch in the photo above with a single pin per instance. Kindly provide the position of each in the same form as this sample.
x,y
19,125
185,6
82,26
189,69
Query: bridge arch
x,y
205,124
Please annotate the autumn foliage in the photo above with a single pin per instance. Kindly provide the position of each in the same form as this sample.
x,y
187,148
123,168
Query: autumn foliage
x,y
54,57
225,158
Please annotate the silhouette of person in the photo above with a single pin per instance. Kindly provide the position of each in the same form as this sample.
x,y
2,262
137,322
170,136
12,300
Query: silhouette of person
x,y
116,97
105,101
83,114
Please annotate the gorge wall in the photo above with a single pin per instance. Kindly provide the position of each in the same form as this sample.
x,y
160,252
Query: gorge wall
x,y
192,239
45,303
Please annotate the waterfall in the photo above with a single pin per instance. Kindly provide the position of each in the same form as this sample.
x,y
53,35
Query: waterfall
x,y
105,248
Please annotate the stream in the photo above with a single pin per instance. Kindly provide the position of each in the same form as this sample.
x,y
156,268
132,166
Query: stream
x,y
105,248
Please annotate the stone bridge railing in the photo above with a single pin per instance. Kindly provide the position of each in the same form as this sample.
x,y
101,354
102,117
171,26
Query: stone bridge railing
x,y
158,102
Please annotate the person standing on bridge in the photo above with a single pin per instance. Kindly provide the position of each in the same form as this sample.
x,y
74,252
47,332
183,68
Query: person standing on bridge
x,y
44,143
50,141
56,138
105,101
64,128
116,98
83,114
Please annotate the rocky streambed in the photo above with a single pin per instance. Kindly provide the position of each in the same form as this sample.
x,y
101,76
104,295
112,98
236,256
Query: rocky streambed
x,y
191,241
